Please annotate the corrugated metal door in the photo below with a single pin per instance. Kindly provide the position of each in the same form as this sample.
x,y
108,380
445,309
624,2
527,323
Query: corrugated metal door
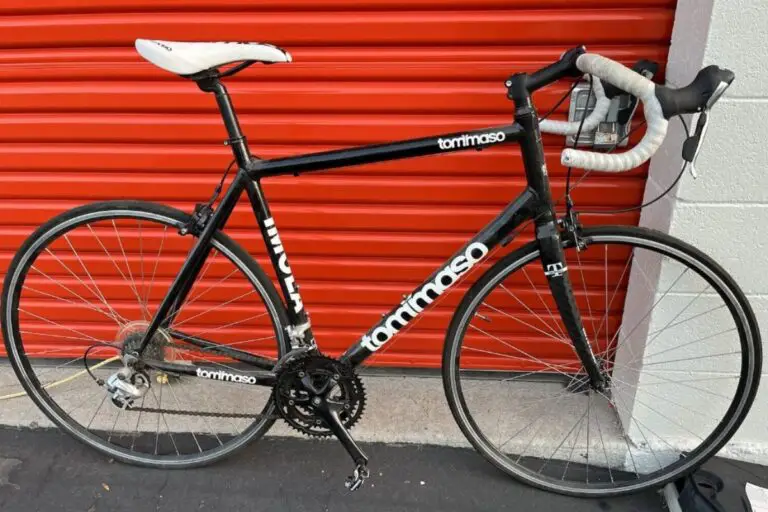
x,y
82,118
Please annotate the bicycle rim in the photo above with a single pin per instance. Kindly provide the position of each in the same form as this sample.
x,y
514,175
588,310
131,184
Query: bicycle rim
x,y
83,288
674,334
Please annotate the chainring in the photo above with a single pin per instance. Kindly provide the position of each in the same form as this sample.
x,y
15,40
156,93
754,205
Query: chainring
x,y
293,401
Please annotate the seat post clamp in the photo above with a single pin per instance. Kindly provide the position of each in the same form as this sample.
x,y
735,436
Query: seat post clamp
x,y
236,140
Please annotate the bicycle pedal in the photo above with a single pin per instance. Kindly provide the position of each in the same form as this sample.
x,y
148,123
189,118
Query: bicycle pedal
x,y
357,478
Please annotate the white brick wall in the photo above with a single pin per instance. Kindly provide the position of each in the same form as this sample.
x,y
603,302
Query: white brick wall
x,y
724,212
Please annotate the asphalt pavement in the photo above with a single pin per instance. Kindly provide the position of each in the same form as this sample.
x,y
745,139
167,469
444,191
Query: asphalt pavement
x,y
44,470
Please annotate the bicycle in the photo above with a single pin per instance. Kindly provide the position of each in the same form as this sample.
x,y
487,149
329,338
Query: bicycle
x,y
609,409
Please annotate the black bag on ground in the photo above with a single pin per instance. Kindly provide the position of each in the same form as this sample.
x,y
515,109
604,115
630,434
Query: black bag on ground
x,y
698,492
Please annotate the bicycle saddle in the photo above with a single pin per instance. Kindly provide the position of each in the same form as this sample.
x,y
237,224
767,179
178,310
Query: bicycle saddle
x,y
189,58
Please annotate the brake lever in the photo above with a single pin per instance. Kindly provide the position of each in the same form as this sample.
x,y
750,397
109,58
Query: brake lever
x,y
692,145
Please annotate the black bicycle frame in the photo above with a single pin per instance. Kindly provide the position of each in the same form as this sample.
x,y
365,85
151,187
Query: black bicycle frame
x,y
535,202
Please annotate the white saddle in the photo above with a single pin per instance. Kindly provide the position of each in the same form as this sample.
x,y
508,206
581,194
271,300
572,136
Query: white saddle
x,y
190,58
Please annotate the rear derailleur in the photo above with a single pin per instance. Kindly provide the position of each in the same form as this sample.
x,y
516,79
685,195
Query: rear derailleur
x,y
320,396
126,386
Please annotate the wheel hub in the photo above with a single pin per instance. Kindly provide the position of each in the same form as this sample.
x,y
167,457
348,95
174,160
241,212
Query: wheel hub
x,y
132,334
313,381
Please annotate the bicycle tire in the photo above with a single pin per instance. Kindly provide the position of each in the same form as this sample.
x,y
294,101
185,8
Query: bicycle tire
x,y
69,220
669,247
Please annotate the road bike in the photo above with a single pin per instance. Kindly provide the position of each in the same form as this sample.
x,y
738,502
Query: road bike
x,y
589,361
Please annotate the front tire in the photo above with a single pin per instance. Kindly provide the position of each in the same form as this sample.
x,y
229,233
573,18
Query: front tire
x,y
675,399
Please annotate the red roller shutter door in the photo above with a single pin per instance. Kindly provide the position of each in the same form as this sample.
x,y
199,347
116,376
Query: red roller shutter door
x,y
83,118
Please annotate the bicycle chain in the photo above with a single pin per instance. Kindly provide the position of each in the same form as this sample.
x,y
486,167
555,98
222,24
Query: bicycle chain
x,y
199,413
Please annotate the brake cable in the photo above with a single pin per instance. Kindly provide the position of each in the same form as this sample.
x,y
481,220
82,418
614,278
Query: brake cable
x,y
220,186
568,201
204,211
648,203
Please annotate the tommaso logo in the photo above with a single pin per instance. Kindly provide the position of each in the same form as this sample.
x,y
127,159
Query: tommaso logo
x,y
471,139
228,377
426,295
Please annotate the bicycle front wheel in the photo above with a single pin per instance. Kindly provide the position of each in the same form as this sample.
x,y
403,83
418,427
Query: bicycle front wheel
x,y
675,338
83,289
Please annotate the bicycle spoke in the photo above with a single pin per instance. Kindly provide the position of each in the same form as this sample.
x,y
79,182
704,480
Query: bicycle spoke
x,y
609,304
544,303
578,422
157,262
558,397
215,308
560,340
554,333
94,291
130,273
176,399
226,326
521,351
141,268
637,424
671,402
51,322
602,443
655,374
584,287
651,340
96,411
698,340
632,354
112,430
138,422
114,263
589,422
698,315
88,305
200,278
722,354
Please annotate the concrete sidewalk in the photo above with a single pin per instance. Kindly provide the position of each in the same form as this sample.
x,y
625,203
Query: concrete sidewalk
x,y
400,409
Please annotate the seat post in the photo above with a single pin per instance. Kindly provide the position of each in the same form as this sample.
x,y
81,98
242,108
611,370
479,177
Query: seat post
x,y
236,138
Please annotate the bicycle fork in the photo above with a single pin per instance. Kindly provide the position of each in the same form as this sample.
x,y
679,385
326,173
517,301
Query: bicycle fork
x,y
547,234
556,271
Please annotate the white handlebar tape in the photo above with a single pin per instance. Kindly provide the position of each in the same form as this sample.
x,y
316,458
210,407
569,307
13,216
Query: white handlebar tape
x,y
602,104
640,87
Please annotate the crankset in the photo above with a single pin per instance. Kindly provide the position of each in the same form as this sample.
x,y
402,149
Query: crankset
x,y
320,396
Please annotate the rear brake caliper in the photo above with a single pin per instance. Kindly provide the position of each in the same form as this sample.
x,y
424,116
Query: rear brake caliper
x,y
200,217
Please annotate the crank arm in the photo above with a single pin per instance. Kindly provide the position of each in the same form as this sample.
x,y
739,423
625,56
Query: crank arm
x,y
329,413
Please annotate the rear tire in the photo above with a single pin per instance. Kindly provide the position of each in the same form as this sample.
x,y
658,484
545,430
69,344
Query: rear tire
x,y
556,374
59,297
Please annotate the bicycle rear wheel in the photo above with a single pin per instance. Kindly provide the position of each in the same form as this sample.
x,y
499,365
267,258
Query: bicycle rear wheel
x,y
677,341
84,287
